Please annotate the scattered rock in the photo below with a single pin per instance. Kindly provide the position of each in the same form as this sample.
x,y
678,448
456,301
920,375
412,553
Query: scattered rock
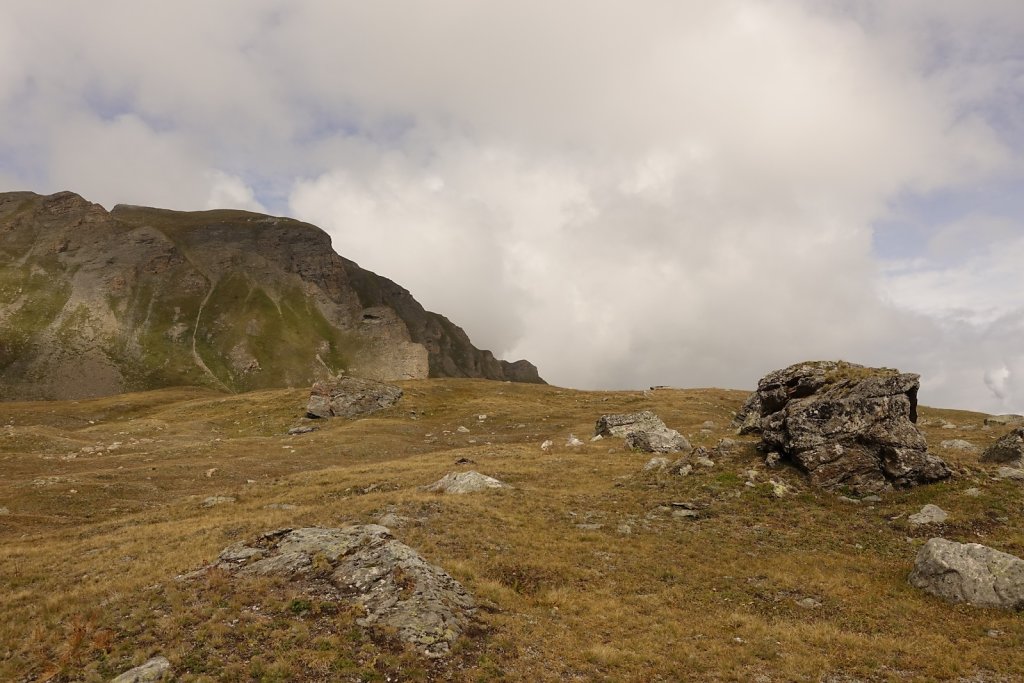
x,y
779,489
949,425
462,461
393,520
589,526
929,514
700,456
1014,473
847,499
481,417
1004,420
462,429
596,437
155,670
302,430
872,499
643,431
708,424
217,500
726,445
656,464
210,472
573,442
970,573
547,445
4,511
465,482
680,468
972,492
685,514
771,461
845,425
808,603
1008,449
280,506
350,397
958,445
396,588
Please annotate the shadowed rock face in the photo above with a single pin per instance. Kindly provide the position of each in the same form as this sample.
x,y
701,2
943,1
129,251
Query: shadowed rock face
x,y
846,425
95,303
394,585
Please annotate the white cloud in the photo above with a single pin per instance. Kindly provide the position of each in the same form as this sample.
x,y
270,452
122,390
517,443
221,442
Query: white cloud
x,y
625,193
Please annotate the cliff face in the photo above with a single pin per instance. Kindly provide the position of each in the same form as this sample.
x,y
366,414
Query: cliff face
x,y
95,302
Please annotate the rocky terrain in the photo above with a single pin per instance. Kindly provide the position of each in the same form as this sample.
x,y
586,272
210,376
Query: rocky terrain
x,y
467,530
96,303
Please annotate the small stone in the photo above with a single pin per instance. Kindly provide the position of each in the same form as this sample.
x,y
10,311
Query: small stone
x,y
972,492
808,603
949,425
392,520
589,526
4,511
280,506
155,670
210,472
726,445
596,437
481,417
704,461
573,442
847,499
462,430
929,514
685,514
217,500
465,482
294,431
464,461
958,445
708,424
547,445
656,464
1010,473
625,529
771,461
680,468
872,499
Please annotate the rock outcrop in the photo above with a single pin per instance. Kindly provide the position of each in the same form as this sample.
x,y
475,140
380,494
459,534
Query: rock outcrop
x,y
970,573
643,431
154,670
465,482
350,397
846,425
95,303
394,585
1009,449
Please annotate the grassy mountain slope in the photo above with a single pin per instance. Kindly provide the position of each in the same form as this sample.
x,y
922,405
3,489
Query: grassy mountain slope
x,y
581,570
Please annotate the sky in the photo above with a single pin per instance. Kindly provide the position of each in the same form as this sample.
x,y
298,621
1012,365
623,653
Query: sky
x,y
651,192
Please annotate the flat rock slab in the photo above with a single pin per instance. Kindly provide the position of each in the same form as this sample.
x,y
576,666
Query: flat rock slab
x,y
395,586
155,670
970,573
465,482
929,514
643,431
1008,449
350,397
846,425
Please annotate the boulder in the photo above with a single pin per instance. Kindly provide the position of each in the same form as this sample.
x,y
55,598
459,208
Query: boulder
x,y
846,425
970,573
395,587
155,670
958,445
643,431
465,482
929,514
1008,449
350,397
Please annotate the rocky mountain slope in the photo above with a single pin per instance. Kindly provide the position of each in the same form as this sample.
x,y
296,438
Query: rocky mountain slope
x,y
95,303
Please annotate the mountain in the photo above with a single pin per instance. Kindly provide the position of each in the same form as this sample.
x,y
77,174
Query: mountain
x,y
95,303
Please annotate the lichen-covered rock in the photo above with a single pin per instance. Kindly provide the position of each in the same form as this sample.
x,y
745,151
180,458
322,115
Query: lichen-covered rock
x,y
394,585
465,482
1008,449
643,431
155,670
350,397
970,573
844,424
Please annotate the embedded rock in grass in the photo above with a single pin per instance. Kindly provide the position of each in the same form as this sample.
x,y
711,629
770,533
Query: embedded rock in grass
x,y
465,482
1008,449
1004,420
155,670
350,397
929,514
395,586
970,573
643,431
846,425
958,445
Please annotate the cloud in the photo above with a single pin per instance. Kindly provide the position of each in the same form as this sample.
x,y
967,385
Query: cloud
x,y
626,194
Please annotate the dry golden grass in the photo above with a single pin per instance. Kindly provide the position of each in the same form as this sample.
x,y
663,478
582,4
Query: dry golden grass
x,y
94,539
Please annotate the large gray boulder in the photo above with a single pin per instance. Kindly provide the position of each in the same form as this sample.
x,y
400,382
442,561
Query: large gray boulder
x,y
394,585
970,573
846,425
1008,449
465,482
643,431
350,397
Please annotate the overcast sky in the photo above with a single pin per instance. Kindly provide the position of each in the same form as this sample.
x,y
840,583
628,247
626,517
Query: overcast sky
x,y
626,193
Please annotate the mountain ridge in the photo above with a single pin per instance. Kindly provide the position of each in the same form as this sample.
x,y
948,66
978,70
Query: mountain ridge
x,y
95,303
